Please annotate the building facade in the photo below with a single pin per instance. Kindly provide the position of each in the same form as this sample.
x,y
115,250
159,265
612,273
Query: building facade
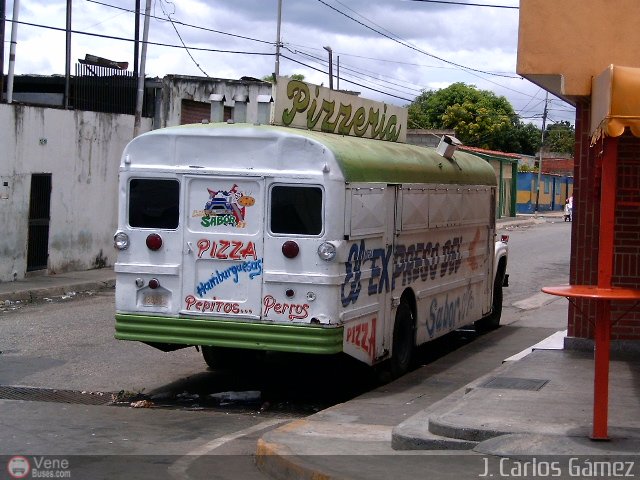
x,y
584,51
59,174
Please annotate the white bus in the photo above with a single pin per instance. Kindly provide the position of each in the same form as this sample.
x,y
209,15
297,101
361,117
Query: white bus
x,y
244,237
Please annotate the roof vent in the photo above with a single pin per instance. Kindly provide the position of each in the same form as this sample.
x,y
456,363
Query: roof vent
x,y
448,146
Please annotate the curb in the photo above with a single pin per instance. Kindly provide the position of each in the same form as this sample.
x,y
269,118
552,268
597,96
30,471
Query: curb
x,y
411,434
55,291
280,463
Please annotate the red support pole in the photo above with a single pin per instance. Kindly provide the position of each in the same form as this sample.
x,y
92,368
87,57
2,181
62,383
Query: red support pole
x,y
601,376
602,332
607,211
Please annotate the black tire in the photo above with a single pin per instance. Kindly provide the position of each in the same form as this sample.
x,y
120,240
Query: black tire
x,y
227,358
492,321
403,341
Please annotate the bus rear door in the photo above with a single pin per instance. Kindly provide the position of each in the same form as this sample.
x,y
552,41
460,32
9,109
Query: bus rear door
x,y
223,246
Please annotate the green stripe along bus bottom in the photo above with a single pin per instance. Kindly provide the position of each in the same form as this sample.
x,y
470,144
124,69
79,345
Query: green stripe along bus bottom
x,y
233,334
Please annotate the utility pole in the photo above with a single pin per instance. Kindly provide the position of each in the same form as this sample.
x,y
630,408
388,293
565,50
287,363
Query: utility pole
x,y
328,49
544,124
67,59
3,7
12,50
143,62
278,42
136,41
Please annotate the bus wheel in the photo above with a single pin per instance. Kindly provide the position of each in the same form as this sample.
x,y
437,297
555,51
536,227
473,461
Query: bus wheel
x,y
403,341
492,321
226,358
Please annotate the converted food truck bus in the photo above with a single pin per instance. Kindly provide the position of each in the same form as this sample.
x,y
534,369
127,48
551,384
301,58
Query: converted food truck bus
x,y
244,237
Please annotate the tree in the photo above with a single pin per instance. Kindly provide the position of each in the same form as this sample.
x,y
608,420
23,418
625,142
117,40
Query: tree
x,y
560,137
523,138
479,118
295,76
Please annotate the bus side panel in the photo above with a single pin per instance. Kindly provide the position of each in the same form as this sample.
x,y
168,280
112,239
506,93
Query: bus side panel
x,y
443,255
365,293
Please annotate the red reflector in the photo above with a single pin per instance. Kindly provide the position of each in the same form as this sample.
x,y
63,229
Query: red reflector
x,y
154,241
504,238
290,249
154,283
289,293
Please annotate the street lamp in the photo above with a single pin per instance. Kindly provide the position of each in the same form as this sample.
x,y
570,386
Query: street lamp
x,y
328,49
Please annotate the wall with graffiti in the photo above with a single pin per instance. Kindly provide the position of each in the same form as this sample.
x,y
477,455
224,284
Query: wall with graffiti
x,y
554,190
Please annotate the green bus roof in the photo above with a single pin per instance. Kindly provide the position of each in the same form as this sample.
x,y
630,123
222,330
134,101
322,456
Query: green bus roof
x,y
366,160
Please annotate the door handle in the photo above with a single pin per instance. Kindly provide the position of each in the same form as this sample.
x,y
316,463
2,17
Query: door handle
x,y
189,247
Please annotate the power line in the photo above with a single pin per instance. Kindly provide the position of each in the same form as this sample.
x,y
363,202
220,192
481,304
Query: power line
x,y
180,36
174,22
348,80
158,44
357,73
186,24
464,4
408,45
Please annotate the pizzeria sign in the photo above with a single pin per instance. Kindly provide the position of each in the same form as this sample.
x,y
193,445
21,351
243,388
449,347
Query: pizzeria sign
x,y
302,105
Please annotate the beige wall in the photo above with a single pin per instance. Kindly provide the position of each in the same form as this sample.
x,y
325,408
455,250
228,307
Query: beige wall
x,y
81,151
563,43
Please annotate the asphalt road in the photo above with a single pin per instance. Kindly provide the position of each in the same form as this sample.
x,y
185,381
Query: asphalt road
x,y
69,345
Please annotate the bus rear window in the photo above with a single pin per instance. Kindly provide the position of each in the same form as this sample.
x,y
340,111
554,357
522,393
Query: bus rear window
x,y
296,210
154,203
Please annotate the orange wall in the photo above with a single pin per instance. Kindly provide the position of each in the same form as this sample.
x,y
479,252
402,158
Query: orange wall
x,y
576,40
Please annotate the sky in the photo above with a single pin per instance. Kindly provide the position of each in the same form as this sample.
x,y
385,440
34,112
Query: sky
x,y
388,50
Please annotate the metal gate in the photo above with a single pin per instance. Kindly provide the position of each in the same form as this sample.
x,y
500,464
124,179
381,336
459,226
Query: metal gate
x,y
104,89
39,215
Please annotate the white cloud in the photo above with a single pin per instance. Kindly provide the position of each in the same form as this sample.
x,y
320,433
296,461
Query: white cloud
x,y
484,39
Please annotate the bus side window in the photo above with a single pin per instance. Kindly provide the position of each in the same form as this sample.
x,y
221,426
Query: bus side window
x,y
296,210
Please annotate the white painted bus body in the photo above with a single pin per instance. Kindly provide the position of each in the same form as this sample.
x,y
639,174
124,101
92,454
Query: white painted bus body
x,y
228,201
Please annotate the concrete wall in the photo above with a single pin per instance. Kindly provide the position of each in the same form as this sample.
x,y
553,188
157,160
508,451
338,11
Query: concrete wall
x,y
177,88
81,151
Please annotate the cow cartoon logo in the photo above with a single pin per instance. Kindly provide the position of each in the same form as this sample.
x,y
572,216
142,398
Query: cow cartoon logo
x,y
226,207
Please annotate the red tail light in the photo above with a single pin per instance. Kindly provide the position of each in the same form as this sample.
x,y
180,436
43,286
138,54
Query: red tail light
x,y
154,241
504,238
290,249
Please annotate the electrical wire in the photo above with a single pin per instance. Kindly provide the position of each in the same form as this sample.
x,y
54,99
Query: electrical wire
x,y
243,37
158,44
347,80
359,74
408,45
464,4
180,36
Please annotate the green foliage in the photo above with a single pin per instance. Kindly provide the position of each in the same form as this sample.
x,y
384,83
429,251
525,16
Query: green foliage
x,y
480,118
295,76
560,137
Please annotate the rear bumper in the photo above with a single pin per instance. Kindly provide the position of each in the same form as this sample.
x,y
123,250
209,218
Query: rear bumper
x,y
233,334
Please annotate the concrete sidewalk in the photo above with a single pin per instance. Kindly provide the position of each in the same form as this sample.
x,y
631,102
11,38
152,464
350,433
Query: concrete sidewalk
x,y
539,405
